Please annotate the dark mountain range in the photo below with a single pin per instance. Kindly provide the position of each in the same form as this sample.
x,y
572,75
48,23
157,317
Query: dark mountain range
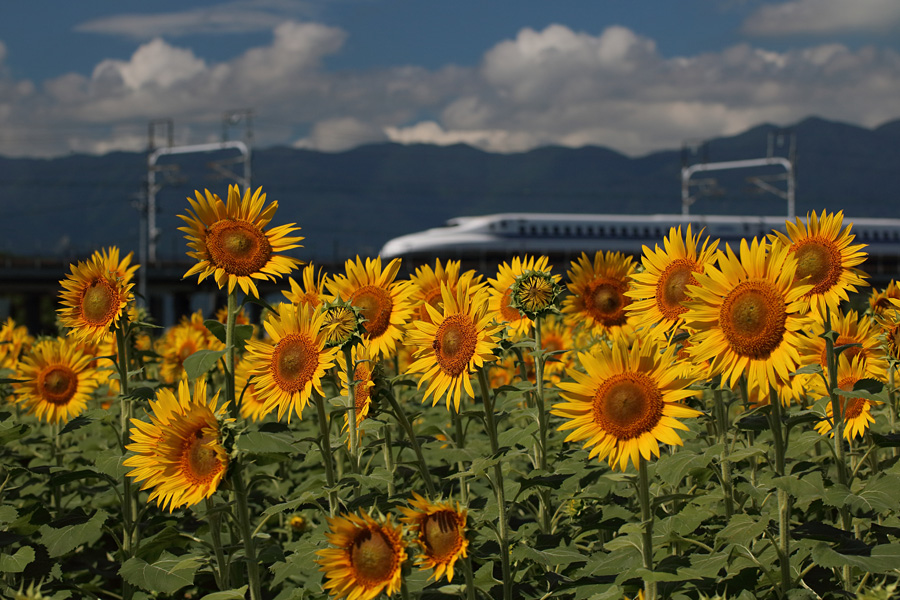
x,y
352,202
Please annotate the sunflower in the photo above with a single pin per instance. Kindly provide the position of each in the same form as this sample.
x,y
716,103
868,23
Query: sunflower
x,y
501,300
364,376
383,302
625,401
252,403
288,369
428,286
440,531
14,340
59,380
889,322
536,293
343,323
856,413
747,316
598,291
312,291
658,292
825,256
180,341
459,339
179,453
885,300
95,294
365,558
230,244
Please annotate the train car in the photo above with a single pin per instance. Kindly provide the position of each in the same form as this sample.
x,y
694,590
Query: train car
x,y
481,242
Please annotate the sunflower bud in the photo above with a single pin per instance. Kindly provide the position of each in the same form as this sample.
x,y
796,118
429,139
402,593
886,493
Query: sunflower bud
x,y
536,293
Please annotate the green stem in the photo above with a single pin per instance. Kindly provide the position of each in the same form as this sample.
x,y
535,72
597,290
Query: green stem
x,y
126,412
892,400
784,500
388,457
541,449
351,397
646,526
460,445
503,527
327,456
401,417
56,458
215,531
724,460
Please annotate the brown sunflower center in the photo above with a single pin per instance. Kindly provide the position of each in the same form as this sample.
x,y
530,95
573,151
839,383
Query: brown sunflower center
x,y
627,405
58,384
294,362
375,304
753,318
605,300
671,289
441,536
853,407
372,557
100,302
819,259
508,313
200,462
238,247
431,297
850,353
454,343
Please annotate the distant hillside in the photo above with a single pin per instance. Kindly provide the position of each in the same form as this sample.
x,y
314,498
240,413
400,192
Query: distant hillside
x,y
352,202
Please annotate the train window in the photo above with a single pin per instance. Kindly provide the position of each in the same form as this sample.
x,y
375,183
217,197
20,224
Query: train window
x,y
646,232
590,231
521,230
602,232
567,231
492,226
544,230
556,230
658,232
533,230
578,230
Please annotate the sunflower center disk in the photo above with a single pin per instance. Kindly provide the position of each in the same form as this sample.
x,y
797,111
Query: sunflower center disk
x,y
238,247
752,318
605,300
294,363
375,304
820,260
199,460
628,405
99,303
372,557
433,298
671,290
58,385
441,535
454,343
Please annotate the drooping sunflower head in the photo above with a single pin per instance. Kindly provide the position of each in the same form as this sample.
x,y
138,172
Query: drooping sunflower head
x,y
312,291
501,302
881,301
95,294
365,557
458,340
59,380
365,371
440,532
292,366
598,291
825,258
230,242
746,313
856,412
536,293
383,302
658,293
625,401
179,453
428,282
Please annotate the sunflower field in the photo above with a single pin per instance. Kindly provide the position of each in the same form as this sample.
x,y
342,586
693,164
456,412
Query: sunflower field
x,y
705,421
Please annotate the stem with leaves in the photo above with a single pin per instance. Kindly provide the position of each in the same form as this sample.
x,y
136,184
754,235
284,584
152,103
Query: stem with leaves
x,y
776,424
646,526
327,456
126,412
401,417
721,411
351,398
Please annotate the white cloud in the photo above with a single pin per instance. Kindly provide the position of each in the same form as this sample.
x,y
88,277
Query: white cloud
x,y
429,132
824,16
343,133
154,63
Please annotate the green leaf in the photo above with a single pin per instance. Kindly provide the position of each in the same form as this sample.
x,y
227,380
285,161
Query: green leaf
x,y
554,556
242,333
883,558
17,562
238,594
201,362
808,370
304,498
76,423
880,494
109,462
11,434
742,528
255,442
805,489
672,468
8,514
167,575
65,539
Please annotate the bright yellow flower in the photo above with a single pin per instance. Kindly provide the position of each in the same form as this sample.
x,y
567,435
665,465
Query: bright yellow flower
x,y
440,531
501,300
598,291
428,286
856,411
885,300
312,291
59,380
364,376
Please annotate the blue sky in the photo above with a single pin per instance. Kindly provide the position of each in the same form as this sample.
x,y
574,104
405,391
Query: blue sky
x,y
503,75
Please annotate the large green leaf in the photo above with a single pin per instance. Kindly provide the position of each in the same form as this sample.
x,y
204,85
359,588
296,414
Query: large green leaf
x,y
17,562
238,594
167,575
201,362
65,539
883,559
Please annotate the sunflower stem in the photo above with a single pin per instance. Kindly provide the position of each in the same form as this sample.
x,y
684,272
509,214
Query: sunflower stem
x,y
401,417
892,400
388,457
541,449
724,459
215,531
646,526
56,459
460,444
126,412
327,456
784,499
237,478
351,399
491,427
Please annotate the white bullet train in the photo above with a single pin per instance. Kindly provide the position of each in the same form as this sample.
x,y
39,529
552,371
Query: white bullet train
x,y
482,240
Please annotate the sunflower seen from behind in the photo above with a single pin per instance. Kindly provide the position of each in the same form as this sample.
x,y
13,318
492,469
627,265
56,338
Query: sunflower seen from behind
x,y
179,453
382,301
657,294
826,259
625,401
230,241
364,557
597,299
439,530
95,294
58,380
459,339
292,363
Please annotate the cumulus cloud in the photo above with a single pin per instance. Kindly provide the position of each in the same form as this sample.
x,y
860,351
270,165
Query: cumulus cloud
x,y
824,16
550,86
